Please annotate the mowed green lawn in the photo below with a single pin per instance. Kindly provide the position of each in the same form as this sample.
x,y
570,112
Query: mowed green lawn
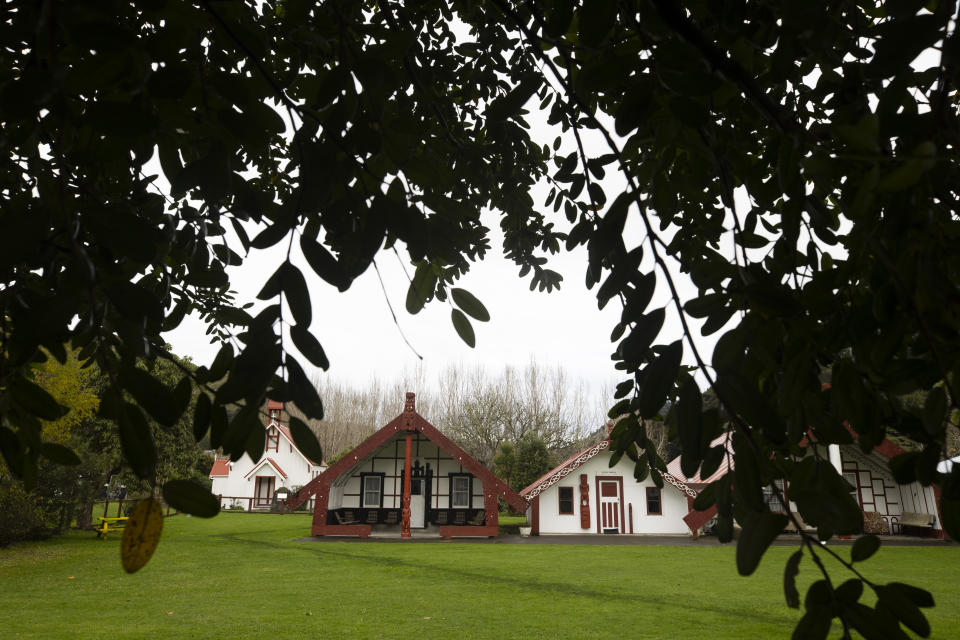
x,y
247,576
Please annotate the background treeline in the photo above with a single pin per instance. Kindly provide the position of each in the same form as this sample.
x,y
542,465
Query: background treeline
x,y
66,490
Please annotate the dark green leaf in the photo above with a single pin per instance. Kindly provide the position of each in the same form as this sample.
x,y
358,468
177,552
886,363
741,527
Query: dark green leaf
x,y
916,595
871,624
864,547
899,603
182,395
298,297
850,591
759,530
790,572
323,263
658,380
559,15
689,427
35,399
137,441
190,497
270,236
310,347
255,442
59,454
508,105
935,410
303,391
814,625
12,450
201,416
597,19
463,327
469,304
421,287
222,363
706,498
306,440
151,394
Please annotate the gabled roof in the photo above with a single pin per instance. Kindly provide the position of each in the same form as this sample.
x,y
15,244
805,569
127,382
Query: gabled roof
x,y
576,461
268,461
413,422
221,468
285,430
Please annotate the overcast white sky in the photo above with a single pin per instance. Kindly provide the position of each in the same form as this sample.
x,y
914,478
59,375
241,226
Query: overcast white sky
x,y
362,341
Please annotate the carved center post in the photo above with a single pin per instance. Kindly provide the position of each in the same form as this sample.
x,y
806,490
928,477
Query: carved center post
x,y
405,512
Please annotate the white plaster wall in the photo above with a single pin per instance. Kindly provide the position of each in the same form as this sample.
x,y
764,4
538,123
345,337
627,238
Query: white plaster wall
x,y
674,503
389,460
299,472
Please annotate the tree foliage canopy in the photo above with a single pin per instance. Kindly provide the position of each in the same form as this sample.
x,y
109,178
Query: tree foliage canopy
x,y
796,160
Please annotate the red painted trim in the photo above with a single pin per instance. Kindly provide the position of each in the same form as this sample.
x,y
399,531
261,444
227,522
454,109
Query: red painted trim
x,y
277,467
362,530
273,439
696,533
535,516
465,531
492,511
696,519
405,505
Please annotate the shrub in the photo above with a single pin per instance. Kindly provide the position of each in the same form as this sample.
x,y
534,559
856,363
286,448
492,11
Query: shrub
x,y
21,515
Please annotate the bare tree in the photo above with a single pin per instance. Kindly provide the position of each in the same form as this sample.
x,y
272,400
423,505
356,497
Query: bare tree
x,y
478,410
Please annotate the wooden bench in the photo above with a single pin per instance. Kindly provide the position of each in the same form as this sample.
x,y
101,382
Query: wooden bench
x,y
923,520
110,524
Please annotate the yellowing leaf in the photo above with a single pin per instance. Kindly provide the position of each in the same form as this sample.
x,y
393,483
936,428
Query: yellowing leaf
x,y
141,535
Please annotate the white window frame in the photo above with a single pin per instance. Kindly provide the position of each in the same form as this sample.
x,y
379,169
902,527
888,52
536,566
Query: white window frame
x,y
365,489
465,504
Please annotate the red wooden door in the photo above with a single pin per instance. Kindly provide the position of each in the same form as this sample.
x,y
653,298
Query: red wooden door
x,y
610,508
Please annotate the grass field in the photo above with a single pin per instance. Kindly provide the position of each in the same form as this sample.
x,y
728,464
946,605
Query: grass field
x,y
246,576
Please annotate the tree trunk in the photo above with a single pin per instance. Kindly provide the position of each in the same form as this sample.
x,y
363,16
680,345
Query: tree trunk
x,y
85,515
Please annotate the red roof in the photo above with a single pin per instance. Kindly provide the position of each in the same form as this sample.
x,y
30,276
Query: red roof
x,y
276,466
220,468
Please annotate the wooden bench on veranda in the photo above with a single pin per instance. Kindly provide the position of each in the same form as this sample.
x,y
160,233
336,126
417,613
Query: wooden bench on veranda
x,y
110,524
919,520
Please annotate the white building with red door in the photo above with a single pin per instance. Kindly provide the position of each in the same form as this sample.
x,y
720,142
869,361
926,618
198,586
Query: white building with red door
x,y
585,495
252,484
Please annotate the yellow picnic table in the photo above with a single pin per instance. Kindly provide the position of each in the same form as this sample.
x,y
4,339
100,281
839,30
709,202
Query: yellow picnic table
x,y
110,524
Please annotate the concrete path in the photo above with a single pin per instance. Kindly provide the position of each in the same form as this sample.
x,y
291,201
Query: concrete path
x,y
612,540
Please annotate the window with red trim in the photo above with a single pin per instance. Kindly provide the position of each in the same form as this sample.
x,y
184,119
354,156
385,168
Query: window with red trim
x,y
654,506
273,440
566,500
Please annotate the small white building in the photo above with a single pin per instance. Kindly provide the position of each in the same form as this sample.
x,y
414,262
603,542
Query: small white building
x,y
888,507
253,485
584,495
